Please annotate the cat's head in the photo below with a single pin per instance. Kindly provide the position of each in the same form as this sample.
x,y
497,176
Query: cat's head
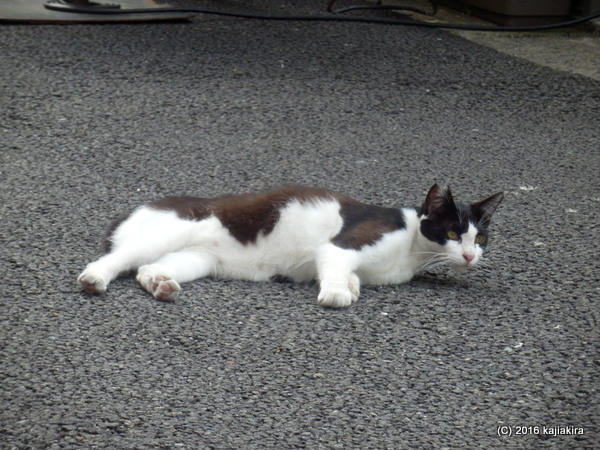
x,y
457,232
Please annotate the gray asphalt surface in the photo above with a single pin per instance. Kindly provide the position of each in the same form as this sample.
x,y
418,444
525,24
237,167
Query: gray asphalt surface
x,y
99,119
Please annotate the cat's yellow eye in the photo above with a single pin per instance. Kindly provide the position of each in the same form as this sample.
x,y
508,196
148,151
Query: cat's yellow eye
x,y
480,239
452,235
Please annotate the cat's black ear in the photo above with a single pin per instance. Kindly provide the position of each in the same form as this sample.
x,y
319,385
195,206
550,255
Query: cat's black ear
x,y
489,205
438,198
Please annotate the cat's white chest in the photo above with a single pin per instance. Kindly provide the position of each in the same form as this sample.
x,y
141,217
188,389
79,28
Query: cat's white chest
x,y
387,262
391,260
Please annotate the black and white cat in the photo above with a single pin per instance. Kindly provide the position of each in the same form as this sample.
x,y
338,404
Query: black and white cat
x,y
299,233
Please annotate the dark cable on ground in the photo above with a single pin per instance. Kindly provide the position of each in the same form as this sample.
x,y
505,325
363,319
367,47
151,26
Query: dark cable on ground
x,y
66,6
380,7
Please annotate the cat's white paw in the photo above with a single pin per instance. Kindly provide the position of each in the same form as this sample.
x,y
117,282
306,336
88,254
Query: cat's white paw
x,y
91,282
161,286
336,297
339,295
354,286
166,289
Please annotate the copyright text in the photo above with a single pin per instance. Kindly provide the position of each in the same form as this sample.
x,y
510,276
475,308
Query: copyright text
x,y
511,430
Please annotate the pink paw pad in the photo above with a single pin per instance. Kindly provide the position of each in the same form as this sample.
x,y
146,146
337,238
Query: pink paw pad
x,y
156,282
165,289
90,288
91,284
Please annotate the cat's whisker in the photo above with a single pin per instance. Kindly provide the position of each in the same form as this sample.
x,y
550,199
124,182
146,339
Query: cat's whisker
x,y
483,263
433,265
426,253
436,260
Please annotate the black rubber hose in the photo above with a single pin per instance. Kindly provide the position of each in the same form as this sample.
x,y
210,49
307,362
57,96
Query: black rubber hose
x,y
65,6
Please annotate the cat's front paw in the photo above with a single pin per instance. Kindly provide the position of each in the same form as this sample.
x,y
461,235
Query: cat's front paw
x,y
92,283
336,297
354,286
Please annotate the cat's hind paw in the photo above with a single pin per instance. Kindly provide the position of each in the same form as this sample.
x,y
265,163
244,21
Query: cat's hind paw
x,y
166,289
336,298
162,287
92,283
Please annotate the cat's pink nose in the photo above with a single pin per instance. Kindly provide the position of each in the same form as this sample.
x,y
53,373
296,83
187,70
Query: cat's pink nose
x,y
468,257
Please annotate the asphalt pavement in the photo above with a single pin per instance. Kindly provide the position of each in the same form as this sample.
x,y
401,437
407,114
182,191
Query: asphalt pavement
x,y
97,119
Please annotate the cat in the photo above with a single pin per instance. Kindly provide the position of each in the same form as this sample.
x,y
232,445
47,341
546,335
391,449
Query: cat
x,y
298,233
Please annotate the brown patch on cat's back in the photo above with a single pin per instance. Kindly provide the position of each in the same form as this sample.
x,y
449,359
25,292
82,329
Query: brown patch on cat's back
x,y
366,224
245,216
194,208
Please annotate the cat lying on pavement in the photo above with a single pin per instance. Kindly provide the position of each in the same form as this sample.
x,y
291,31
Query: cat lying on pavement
x,y
300,233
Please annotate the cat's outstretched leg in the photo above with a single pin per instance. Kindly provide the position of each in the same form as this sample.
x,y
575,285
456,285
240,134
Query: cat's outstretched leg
x,y
144,237
162,278
340,286
96,276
